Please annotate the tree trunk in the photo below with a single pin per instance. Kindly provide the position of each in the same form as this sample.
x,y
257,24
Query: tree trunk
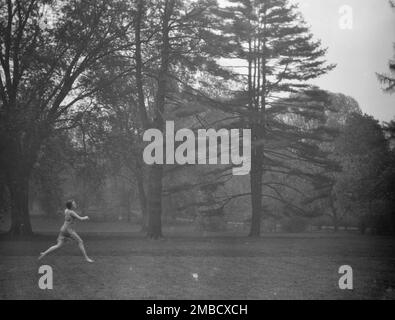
x,y
154,202
20,156
155,177
142,112
256,191
142,198
19,199
258,134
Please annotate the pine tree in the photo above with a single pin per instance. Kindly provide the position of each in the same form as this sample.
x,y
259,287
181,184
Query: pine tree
x,y
47,51
281,57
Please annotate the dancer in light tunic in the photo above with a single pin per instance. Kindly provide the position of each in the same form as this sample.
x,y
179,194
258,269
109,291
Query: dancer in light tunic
x,y
67,231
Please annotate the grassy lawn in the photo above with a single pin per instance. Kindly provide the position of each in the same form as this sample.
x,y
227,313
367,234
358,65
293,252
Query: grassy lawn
x,y
188,266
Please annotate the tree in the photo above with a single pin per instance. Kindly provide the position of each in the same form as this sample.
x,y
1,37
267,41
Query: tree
x,y
364,158
342,107
187,46
281,57
46,52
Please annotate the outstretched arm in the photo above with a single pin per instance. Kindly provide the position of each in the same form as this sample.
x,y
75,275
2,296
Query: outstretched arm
x,y
77,216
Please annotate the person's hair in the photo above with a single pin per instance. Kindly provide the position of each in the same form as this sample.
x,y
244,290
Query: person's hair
x,y
69,204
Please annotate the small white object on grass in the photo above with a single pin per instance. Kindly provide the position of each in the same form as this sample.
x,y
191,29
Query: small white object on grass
x,y
195,276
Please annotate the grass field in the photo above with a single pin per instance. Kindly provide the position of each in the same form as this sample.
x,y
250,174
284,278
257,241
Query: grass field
x,y
187,266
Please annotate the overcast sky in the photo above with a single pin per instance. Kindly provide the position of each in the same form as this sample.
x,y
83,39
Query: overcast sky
x,y
359,52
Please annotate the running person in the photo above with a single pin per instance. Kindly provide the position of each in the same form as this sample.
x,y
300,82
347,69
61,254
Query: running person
x,y
67,231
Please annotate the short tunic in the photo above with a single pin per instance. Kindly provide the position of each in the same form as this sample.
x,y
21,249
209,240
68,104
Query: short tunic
x,y
67,231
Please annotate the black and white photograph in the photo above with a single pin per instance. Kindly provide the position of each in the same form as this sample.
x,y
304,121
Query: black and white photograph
x,y
200,150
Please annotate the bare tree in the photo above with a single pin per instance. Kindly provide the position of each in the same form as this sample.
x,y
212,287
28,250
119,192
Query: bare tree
x,y
47,50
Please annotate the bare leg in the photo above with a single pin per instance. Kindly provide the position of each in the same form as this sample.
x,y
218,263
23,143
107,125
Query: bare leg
x,y
81,246
51,249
